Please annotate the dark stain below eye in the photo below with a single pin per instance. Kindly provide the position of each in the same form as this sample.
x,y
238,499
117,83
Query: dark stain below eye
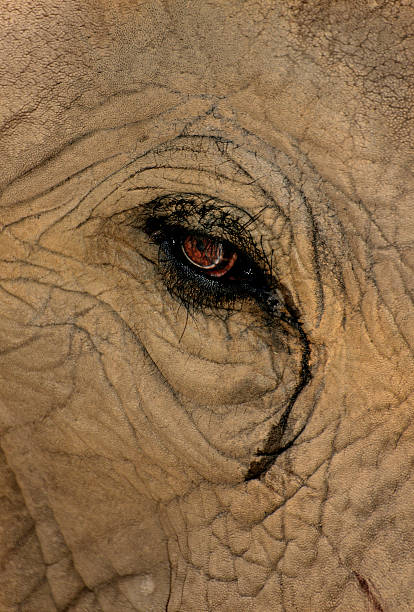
x,y
366,589
211,256
274,445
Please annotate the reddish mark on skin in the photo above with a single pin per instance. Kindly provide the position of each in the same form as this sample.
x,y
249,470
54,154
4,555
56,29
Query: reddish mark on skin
x,y
209,255
367,590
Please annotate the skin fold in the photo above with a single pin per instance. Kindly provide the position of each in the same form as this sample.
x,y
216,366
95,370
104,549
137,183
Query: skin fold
x,y
160,454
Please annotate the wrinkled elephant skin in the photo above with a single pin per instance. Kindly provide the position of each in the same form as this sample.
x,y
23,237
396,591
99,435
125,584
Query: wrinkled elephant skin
x,y
206,306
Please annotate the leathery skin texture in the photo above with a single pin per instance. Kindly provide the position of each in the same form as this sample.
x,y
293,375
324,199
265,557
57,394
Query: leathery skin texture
x,y
171,440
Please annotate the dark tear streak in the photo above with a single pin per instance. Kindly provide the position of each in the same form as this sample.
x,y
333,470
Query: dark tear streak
x,y
273,446
366,589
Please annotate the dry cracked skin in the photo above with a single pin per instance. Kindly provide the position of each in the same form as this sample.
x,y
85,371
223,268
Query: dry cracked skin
x,y
206,306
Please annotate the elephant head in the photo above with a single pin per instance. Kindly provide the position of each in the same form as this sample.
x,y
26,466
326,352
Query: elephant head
x,y
206,306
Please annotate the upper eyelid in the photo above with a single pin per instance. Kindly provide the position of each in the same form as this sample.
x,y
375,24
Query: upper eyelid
x,y
231,228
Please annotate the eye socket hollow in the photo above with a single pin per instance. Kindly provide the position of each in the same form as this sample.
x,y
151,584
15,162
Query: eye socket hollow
x,y
209,255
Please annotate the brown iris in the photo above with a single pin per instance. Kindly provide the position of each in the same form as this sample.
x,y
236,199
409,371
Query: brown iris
x,y
211,256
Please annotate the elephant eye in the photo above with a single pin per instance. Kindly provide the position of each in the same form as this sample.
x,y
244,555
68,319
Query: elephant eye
x,y
203,271
207,258
211,256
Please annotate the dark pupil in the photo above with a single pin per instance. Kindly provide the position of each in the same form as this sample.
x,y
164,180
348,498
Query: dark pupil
x,y
202,252
208,254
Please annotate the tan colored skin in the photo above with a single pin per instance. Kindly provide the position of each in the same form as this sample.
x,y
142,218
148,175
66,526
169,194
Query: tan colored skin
x,y
127,428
